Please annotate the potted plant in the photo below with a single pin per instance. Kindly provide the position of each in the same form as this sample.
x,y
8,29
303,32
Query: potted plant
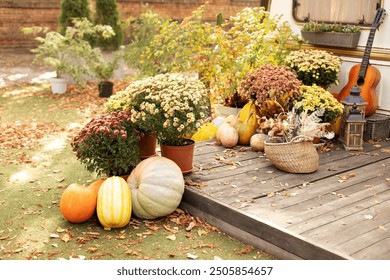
x,y
104,70
172,106
108,144
315,66
314,98
335,35
70,54
274,89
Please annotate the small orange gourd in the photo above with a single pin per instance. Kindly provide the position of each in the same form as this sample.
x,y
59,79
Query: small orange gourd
x,y
78,203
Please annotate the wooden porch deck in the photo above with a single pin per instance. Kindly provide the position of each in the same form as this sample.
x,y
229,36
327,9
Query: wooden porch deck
x,y
341,211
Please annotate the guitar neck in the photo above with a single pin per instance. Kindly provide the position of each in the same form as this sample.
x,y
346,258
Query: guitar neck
x,y
367,52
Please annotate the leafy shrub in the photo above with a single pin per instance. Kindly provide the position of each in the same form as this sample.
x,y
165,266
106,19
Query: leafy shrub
x,y
71,9
107,14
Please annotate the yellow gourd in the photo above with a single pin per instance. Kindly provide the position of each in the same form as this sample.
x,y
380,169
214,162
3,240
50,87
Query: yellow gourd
x,y
248,123
206,132
114,203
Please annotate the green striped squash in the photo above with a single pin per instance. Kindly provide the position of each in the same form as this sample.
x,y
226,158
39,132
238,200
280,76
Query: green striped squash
x,y
114,203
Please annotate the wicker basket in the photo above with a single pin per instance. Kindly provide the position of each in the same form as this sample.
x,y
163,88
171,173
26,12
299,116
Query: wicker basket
x,y
377,127
297,156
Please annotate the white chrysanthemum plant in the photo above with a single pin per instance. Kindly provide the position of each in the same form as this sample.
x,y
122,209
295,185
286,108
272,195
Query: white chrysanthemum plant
x,y
171,105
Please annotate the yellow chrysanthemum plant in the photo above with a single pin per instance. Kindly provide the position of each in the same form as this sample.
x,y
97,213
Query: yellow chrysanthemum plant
x,y
318,67
315,97
171,105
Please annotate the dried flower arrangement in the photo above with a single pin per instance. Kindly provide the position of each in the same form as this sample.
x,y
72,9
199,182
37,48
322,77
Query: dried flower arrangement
x,y
286,126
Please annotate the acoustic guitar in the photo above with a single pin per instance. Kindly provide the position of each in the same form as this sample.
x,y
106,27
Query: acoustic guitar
x,y
365,75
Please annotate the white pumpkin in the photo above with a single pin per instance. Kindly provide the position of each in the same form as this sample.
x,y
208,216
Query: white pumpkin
x,y
228,136
257,142
157,187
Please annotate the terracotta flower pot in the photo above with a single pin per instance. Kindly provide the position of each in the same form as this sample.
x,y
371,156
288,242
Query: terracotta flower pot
x,y
181,155
147,145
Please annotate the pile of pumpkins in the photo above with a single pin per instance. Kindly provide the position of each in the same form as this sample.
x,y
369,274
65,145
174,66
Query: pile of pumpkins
x,y
241,129
153,189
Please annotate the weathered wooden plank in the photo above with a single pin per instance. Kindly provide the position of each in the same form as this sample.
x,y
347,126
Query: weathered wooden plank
x,y
338,209
214,170
373,244
378,251
322,191
349,229
269,232
277,181
362,212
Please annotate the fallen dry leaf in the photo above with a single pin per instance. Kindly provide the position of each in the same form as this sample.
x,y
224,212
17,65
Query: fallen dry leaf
x,y
132,252
347,176
382,228
171,237
191,226
95,233
192,256
60,229
145,233
65,237
172,230
190,182
92,249
246,250
153,227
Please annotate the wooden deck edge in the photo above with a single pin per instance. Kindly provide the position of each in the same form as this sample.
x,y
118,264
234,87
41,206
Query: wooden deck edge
x,y
249,229
240,234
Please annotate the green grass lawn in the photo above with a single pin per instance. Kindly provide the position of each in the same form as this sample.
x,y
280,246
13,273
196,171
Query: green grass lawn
x,y
37,164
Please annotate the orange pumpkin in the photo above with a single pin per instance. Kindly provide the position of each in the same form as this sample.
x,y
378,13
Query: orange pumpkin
x,y
96,185
78,203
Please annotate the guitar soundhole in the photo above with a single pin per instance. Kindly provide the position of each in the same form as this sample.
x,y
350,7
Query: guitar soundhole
x,y
360,81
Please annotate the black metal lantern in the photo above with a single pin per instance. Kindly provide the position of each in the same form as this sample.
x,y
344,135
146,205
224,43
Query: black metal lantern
x,y
353,120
